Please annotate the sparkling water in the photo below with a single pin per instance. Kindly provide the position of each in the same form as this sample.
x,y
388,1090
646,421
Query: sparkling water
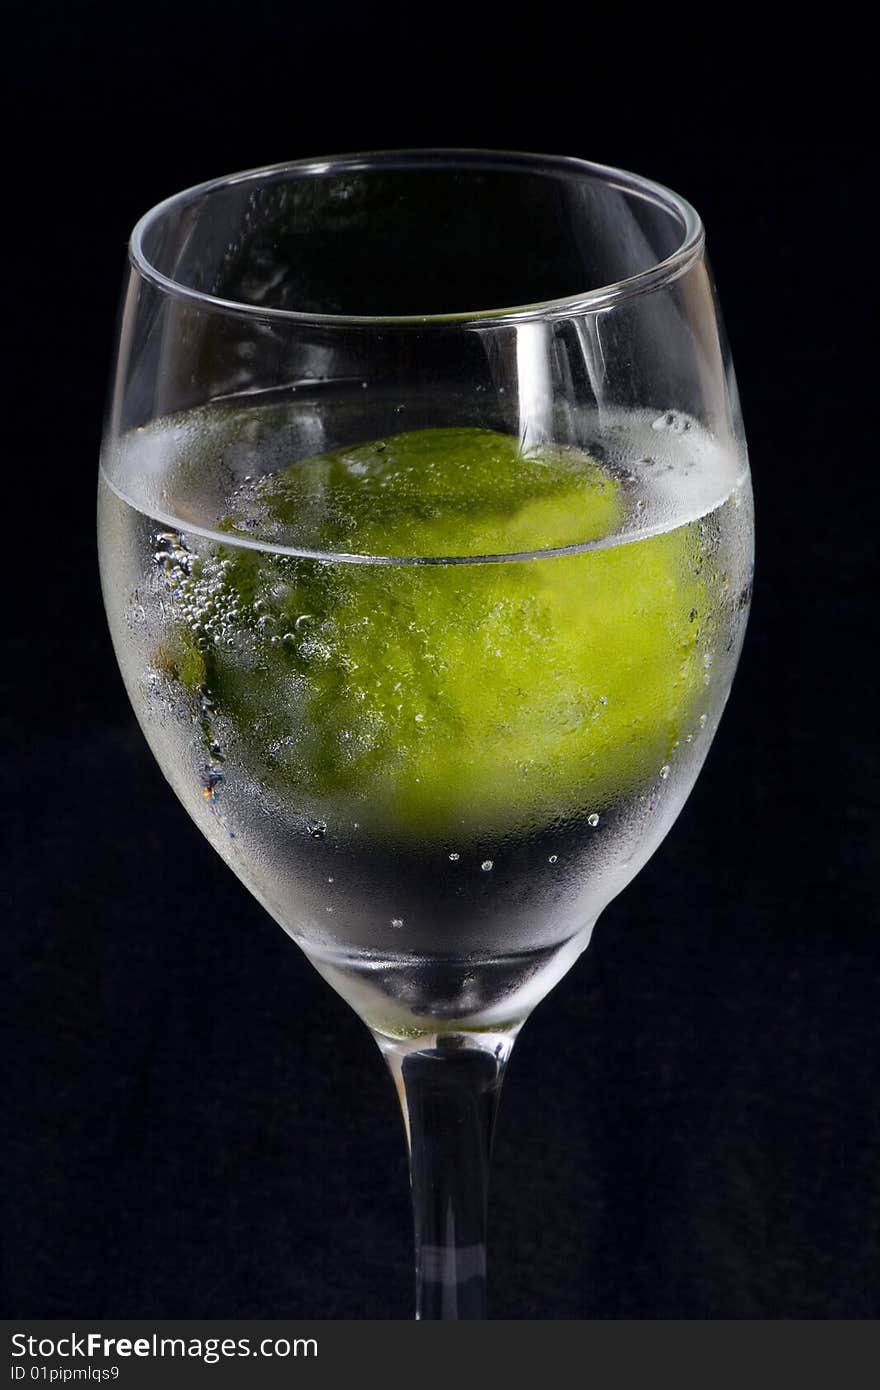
x,y
435,775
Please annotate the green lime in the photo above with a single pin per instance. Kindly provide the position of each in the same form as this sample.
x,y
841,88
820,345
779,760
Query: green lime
x,y
432,701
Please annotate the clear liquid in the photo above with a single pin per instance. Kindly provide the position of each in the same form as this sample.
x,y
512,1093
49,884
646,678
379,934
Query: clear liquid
x,y
432,894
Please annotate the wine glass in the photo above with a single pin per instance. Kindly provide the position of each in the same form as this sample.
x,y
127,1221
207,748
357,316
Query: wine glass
x,y
426,544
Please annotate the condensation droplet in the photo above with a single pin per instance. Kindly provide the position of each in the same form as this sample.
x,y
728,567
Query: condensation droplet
x,y
487,865
397,921
664,771
593,818
553,858
455,856
317,829
672,420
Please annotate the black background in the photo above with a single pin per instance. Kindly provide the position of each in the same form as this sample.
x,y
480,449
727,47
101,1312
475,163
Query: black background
x,y
199,1126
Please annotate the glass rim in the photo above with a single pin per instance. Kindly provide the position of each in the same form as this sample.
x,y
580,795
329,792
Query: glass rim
x,y
586,301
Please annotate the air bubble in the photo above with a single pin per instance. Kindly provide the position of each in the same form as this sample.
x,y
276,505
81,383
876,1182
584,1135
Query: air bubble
x,y
317,829
397,921
487,865
664,771
553,858
593,818
211,777
455,856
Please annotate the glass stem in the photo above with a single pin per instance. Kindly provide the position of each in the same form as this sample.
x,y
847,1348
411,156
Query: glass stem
x,y
449,1095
